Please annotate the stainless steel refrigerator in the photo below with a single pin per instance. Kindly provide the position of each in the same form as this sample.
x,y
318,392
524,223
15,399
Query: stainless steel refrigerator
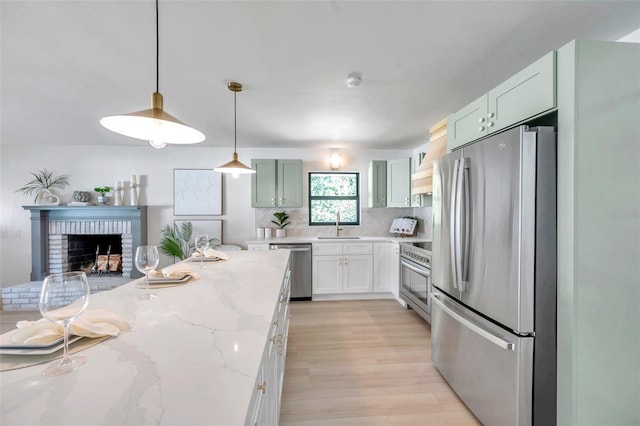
x,y
493,315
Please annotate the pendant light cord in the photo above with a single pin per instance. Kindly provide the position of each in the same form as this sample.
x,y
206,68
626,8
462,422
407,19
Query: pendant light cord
x,y
157,49
235,119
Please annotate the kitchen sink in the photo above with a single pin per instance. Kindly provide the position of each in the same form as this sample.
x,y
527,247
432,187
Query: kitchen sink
x,y
338,238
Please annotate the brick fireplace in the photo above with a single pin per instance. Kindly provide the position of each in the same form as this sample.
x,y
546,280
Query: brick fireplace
x,y
52,227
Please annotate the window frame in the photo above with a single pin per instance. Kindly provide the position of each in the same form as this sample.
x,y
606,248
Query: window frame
x,y
338,198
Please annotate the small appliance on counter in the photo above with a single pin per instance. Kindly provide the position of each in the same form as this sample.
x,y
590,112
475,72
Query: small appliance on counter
x,y
403,226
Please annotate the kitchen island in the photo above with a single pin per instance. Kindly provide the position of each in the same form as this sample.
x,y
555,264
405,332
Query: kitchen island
x,y
193,357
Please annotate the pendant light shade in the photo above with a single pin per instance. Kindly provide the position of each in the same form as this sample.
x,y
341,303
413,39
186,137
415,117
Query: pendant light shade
x,y
234,166
154,124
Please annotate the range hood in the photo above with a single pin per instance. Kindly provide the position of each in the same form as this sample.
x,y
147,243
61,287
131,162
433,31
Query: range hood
x,y
422,179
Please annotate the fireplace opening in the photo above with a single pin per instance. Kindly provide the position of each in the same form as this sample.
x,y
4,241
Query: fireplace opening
x,y
96,254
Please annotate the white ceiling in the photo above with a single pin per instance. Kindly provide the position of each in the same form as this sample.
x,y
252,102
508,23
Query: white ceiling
x,y
66,64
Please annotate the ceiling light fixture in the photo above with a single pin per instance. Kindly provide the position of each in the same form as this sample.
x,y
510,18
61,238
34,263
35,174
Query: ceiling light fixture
x,y
154,125
354,79
234,166
335,160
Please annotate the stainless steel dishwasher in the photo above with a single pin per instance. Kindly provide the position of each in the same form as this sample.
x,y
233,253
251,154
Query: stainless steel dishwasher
x,y
300,263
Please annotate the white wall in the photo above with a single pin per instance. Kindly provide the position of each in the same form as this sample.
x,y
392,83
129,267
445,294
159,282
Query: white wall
x,y
91,166
632,37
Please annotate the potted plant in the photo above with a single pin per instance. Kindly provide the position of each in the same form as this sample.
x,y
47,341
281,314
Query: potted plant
x,y
44,184
102,190
282,220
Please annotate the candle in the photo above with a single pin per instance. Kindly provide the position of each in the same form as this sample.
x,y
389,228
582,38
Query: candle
x,y
133,179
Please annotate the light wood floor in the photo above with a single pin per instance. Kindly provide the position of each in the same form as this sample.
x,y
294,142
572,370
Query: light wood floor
x,y
364,363
355,363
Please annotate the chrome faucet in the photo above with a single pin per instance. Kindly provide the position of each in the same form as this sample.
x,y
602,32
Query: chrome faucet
x,y
338,229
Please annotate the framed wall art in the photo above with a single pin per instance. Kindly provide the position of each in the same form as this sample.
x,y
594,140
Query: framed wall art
x,y
197,192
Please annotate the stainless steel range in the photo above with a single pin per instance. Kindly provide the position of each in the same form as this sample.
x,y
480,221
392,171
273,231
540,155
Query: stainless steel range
x,y
415,277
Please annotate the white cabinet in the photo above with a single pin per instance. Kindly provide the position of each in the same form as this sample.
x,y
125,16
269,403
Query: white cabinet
x,y
264,408
382,267
395,270
342,268
327,274
357,273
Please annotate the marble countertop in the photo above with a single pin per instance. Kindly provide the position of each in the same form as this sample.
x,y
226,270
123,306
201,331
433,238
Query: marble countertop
x,y
346,239
191,358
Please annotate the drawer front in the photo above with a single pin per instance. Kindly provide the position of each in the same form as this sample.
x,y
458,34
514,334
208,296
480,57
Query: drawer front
x,y
327,249
494,382
357,248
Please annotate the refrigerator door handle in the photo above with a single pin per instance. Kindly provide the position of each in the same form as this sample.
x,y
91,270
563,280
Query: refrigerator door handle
x,y
464,248
457,224
508,346
452,225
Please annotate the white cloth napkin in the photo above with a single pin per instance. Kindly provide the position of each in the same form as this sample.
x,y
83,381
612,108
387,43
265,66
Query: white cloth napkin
x,y
179,270
213,253
92,323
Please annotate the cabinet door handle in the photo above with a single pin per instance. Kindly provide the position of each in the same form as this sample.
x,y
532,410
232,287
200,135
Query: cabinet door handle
x,y
490,115
481,120
481,129
273,201
490,124
263,387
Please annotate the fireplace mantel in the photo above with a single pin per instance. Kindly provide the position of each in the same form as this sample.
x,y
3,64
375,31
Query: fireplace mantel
x,y
42,216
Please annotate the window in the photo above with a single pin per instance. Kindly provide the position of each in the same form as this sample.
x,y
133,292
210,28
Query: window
x,y
332,192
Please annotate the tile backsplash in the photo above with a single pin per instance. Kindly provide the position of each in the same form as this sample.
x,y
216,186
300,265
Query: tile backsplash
x,y
374,222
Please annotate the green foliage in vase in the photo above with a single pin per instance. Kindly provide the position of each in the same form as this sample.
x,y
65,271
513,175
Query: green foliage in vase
x,y
102,189
176,241
44,181
282,219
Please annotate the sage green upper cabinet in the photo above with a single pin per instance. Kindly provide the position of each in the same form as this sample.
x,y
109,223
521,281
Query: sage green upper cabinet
x,y
276,183
530,92
466,125
526,94
289,183
399,183
378,184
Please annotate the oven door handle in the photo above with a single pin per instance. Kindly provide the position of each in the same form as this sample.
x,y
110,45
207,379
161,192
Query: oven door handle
x,y
424,272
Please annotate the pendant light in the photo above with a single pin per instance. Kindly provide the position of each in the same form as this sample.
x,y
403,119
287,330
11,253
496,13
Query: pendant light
x,y
155,125
234,166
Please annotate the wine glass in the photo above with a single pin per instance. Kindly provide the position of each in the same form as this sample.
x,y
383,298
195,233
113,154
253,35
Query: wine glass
x,y
147,259
202,244
63,298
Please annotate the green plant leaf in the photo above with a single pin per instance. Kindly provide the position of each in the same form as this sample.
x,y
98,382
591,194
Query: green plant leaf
x,y
44,180
282,219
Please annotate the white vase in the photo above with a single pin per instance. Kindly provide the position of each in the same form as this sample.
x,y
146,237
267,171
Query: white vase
x,y
46,198
280,233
